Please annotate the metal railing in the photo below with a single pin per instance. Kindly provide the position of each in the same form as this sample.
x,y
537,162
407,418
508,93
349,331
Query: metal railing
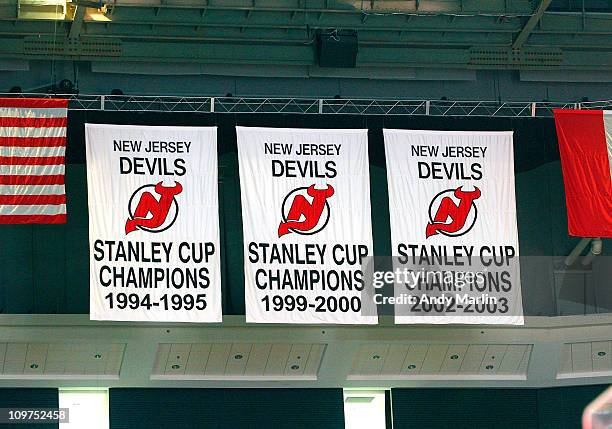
x,y
334,106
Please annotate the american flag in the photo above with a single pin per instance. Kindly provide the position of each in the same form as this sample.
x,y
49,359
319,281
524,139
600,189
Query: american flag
x,y
32,150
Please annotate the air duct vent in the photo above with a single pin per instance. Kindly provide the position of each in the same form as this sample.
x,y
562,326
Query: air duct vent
x,y
72,47
524,58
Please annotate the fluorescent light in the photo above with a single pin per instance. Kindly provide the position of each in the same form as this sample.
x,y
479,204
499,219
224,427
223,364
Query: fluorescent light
x,y
86,408
41,9
364,409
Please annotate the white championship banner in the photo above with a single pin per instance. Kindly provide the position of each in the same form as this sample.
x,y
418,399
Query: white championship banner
x,y
307,225
453,227
153,223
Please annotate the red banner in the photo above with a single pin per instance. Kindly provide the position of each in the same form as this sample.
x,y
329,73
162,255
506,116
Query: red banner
x,y
585,143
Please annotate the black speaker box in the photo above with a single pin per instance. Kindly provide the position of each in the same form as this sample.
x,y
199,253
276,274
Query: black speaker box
x,y
337,48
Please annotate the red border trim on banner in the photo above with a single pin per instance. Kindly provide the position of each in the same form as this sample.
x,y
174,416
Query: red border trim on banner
x,y
22,219
39,103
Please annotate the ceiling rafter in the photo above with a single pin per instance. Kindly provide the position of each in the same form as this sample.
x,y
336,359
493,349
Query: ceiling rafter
x,y
445,37
302,9
531,23
77,23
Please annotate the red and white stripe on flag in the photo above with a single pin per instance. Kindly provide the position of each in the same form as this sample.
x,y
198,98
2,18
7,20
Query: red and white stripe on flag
x,y
32,151
585,143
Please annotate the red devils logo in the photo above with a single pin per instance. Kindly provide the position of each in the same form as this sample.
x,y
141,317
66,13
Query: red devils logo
x,y
456,204
309,211
150,212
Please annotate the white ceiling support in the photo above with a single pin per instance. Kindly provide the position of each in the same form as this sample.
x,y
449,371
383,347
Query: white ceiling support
x,y
71,351
530,25
302,105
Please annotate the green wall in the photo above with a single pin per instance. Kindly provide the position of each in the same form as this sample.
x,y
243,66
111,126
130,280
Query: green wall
x,y
554,408
27,399
226,408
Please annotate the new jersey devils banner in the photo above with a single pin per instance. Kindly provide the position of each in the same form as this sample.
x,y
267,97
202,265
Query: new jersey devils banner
x,y
153,223
307,226
453,227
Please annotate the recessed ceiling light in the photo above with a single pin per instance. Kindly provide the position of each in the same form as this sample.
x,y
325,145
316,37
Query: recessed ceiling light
x,y
175,366
411,366
295,367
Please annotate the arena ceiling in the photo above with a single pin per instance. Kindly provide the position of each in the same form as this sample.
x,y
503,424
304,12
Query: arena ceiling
x,y
468,34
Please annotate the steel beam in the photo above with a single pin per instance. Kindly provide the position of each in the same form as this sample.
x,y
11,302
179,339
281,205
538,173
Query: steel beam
x,y
530,25
77,22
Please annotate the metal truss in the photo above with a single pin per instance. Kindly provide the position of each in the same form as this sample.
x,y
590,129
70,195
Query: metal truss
x,y
332,106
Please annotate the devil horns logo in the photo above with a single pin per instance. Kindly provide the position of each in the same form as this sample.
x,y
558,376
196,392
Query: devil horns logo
x,y
463,215
303,216
152,213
